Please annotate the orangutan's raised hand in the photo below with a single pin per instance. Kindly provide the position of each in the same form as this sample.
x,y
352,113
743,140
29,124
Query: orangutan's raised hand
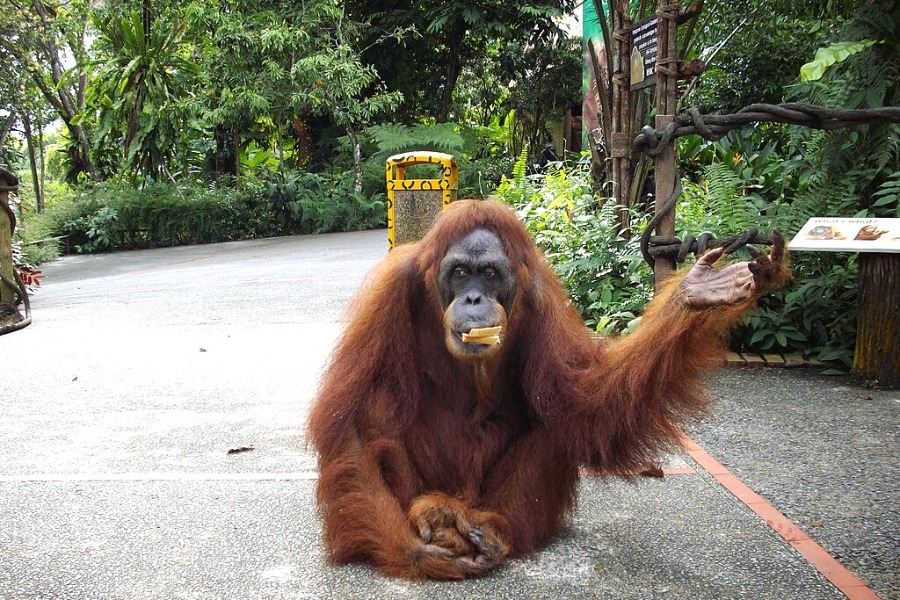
x,y
706,286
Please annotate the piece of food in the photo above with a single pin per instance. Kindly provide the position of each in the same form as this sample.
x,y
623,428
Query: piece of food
x,y
487,336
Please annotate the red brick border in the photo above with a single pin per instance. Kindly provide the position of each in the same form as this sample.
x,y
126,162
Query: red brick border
x,y
848,583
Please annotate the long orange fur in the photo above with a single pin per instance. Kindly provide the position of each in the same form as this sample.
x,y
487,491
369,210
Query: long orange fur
x,y
397,418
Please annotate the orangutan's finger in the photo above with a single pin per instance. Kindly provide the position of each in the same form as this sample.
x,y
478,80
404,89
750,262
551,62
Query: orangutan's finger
x,y
711,257
777,246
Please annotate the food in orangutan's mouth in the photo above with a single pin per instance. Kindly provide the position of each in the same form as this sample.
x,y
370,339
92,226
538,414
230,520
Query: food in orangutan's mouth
x,y
487,336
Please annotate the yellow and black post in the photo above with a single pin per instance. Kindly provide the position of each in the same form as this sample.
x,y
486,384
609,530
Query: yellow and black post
x,y
413,204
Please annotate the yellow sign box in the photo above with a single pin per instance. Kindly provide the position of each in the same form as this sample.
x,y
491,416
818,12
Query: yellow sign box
x,y
412,204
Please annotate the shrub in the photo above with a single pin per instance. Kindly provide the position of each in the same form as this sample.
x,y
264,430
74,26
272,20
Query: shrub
x,y
33,239
746,180
323,203
602,271
116,216
111,215
727,194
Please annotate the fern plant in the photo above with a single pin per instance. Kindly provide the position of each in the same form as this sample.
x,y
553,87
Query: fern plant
x,y
393,138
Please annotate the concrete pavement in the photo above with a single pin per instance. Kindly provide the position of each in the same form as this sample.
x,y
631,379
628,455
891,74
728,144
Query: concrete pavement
x,y
120,404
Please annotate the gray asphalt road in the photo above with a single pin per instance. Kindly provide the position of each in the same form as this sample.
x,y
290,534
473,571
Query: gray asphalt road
x,y
143,369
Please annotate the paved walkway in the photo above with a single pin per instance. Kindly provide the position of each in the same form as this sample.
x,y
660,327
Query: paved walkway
x,y
142,370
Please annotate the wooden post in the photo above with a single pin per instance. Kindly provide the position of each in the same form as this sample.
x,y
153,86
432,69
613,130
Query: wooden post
x,y
8,183
877,356
666,102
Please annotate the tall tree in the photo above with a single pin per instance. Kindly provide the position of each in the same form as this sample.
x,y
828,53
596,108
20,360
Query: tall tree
x,y
142,71
425,65
267,67
47,40
247,85
337,84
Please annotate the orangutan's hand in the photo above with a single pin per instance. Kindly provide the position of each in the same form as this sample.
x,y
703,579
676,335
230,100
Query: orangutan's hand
x,y
706,286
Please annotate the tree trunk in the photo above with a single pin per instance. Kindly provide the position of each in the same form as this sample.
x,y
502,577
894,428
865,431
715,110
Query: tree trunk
x,y
6,126
877,356
303,141
621,137
357,160
43,164
279,140
82,157
236,140
8,183
454,68
604,108
32,160
218,163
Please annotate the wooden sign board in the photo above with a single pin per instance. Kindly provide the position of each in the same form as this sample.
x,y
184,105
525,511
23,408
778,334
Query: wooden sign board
x,y
834,234
644,42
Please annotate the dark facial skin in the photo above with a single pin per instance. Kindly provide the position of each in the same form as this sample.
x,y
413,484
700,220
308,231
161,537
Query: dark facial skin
x,y
477,285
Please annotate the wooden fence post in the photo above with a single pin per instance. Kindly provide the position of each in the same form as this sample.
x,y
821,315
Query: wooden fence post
x,y
666,103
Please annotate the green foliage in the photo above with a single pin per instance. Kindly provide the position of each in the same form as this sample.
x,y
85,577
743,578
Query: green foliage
x,y
394,138
36,40
256,160
716,203
247,54
815,316
261,90
31,243
478,174
854,171
99,228
762,57
322,203
825,57
33,240
115,216
545,82
427,62
603,272
746,180
479,177
339,85
140,75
